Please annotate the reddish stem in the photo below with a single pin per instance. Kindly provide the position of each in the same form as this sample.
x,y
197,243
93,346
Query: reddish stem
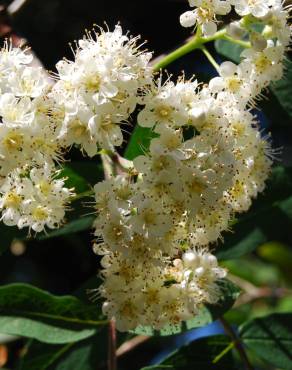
x,y
112,344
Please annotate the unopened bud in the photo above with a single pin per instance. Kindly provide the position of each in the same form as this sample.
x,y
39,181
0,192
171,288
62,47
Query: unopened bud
x,y
235,30
258,42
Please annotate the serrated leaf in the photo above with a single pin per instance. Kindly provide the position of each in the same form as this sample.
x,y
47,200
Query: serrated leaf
x,y
199,354
31,312
207,314
270,338
269,218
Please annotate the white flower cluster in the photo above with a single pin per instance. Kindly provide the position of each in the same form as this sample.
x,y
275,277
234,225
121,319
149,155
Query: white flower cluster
x,y
187,191
100,89
206,162
270,13
33,198
92,98
29,196
207,159
154,292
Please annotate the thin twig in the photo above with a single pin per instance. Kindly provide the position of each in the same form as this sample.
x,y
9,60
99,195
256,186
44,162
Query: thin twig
x,y
210,58
252,292
131,344
112,344
237,343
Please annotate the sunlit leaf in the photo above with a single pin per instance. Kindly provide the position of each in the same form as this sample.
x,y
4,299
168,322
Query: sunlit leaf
x,y
31,312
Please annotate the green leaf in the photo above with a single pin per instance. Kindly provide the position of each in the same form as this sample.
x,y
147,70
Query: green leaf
x,y
83,355
207,314
82,175
139,142
90,171
270,337
200,355
279,255
282,89
74,180
270,218
31,312
229,50
88,354
75,226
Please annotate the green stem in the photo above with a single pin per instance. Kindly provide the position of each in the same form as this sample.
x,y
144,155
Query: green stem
x,y
195,43
244,44
210,58
223,353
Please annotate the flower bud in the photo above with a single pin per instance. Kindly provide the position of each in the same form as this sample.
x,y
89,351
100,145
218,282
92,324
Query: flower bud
x,y
258,42
235,30
187,19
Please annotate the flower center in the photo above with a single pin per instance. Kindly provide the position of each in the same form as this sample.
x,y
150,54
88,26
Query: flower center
x,y
78,128
233,84
262,63
12,200
45,187
40,213
205,13
163,111
197,187
13,141
238,129
92,83
149,217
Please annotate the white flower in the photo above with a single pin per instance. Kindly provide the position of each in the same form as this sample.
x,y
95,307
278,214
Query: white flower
x,y
257,8
235,30
28,81
277,25
115,231
267,64
15,111
149,220
14,56
75,129
162,107
201,272
258,41
13,192
235,80
205,14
